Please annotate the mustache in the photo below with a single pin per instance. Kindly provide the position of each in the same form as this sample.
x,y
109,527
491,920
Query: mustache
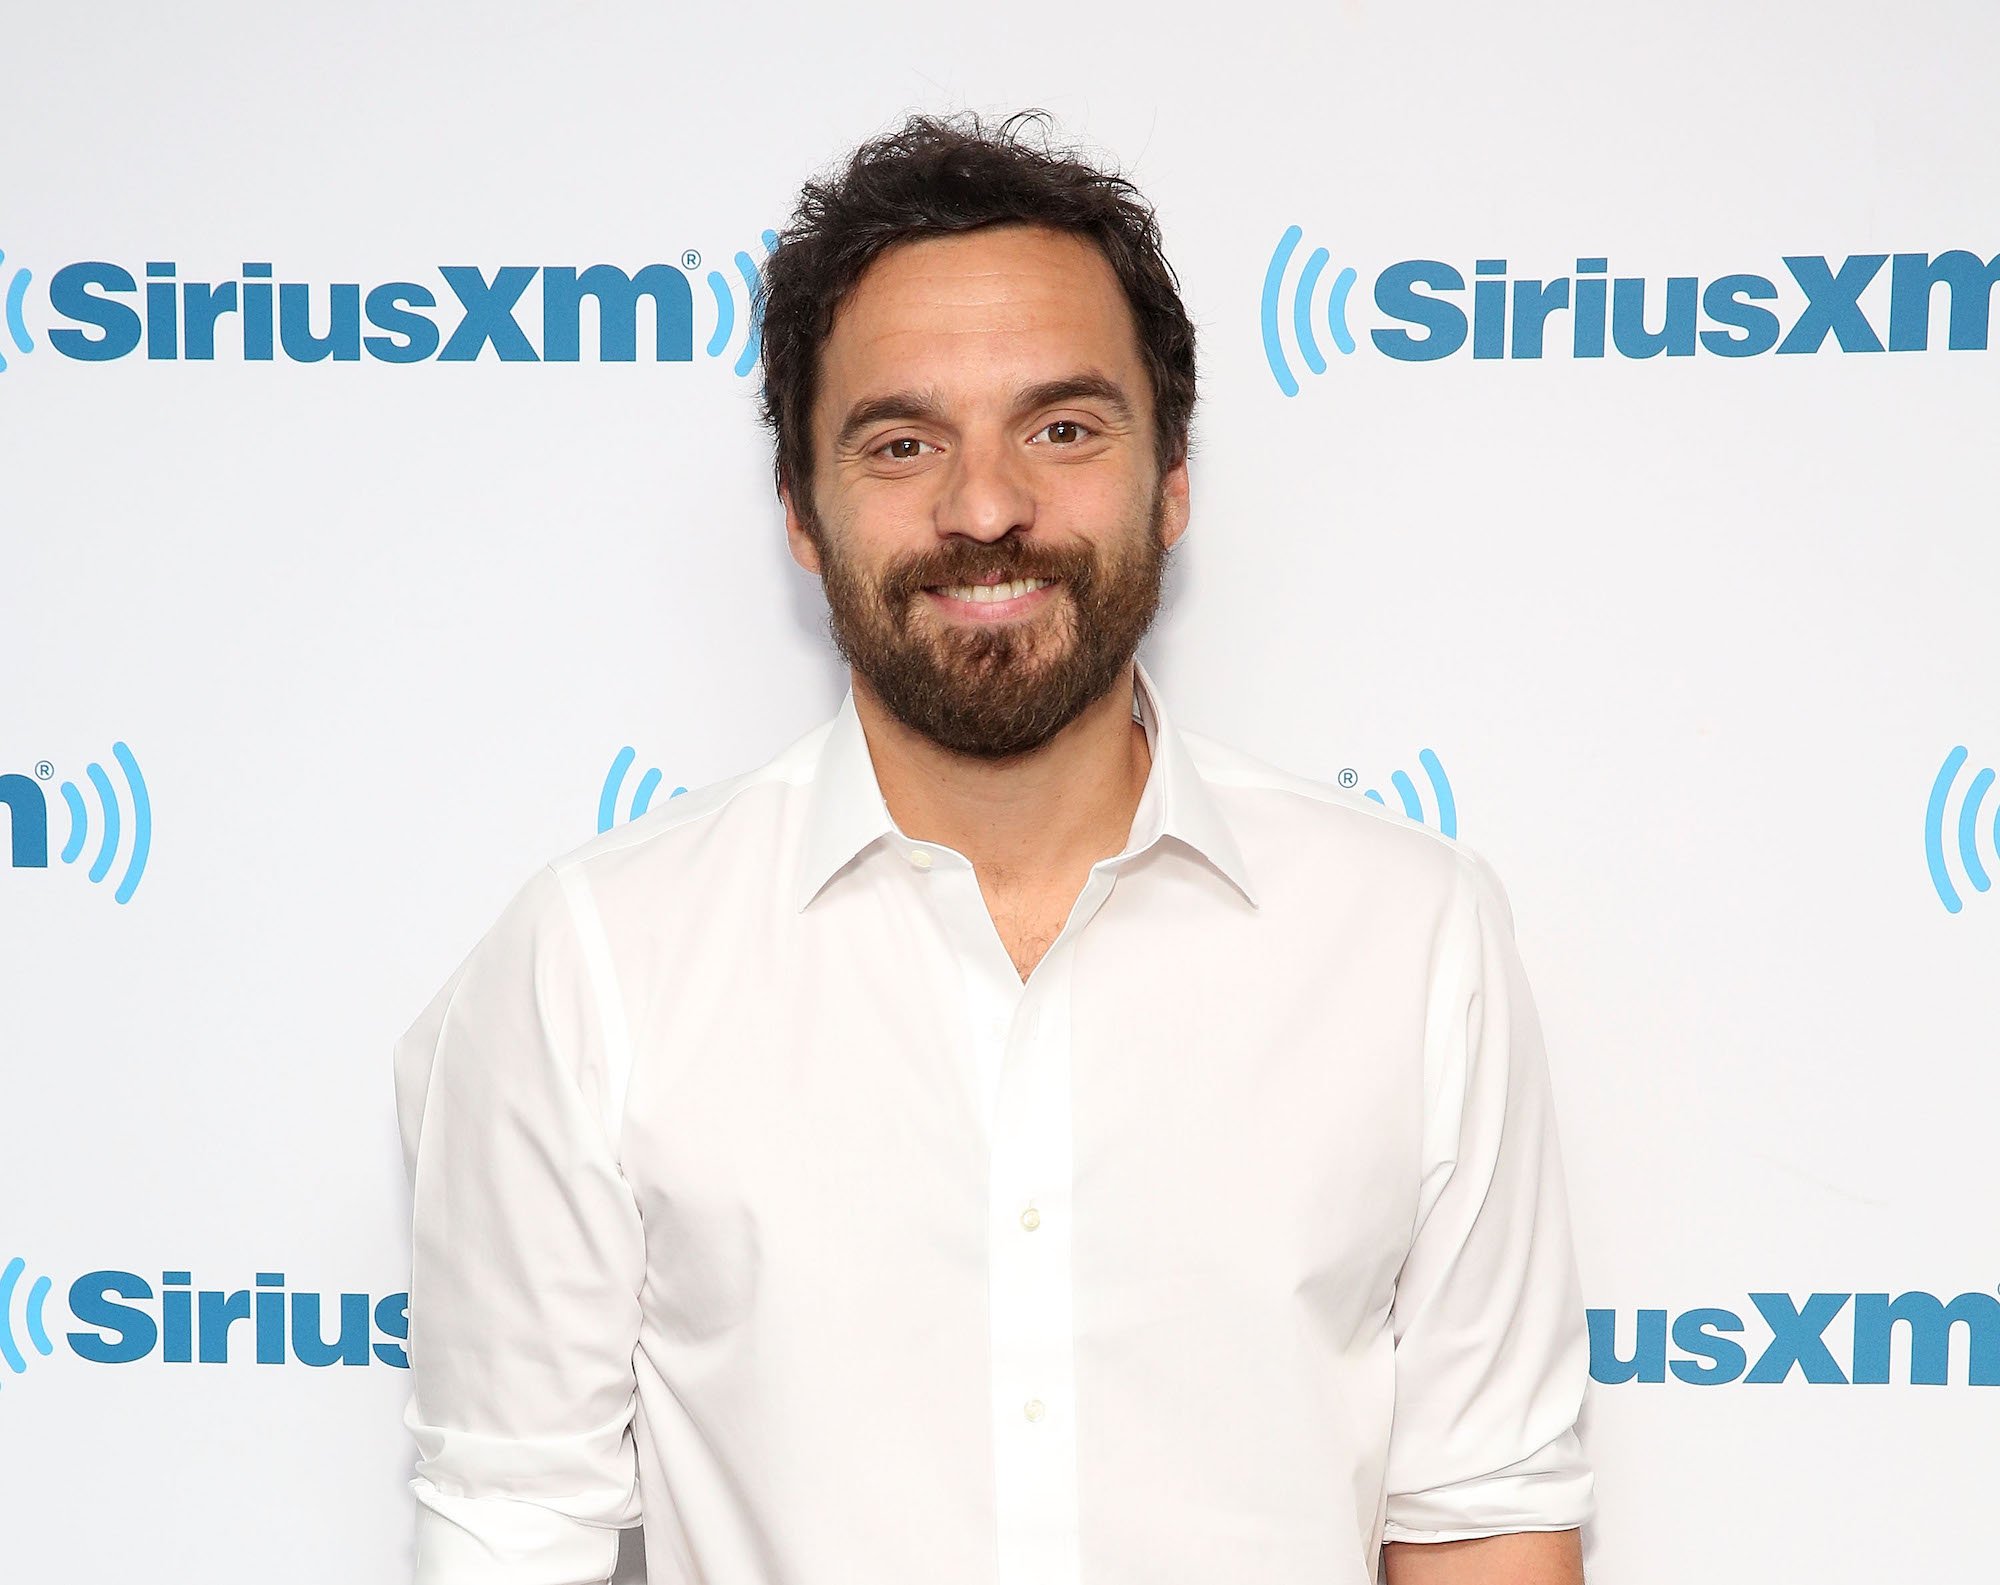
x,y
1002,561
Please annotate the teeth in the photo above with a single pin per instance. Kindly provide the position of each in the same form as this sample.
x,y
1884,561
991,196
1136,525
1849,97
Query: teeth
x,y
987,593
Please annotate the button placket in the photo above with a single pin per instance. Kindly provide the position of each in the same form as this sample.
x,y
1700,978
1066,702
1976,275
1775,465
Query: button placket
x,y
1033,1383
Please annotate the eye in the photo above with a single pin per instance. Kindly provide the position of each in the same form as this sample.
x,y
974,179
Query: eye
x,y
1074,431
889,449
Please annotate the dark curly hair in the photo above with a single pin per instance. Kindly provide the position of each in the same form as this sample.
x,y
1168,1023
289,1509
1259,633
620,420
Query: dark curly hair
x,y
937,176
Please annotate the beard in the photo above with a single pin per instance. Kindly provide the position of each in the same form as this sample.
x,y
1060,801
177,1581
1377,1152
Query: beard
x,y
996,690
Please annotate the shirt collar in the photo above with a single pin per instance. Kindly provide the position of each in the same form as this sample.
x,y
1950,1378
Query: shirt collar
x,y
846,814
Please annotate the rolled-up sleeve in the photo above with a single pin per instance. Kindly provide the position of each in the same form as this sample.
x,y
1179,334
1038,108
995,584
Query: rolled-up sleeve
x,y
527,1261
1492,1352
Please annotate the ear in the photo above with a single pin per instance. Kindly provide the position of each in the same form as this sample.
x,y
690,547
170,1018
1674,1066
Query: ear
x,y
804,551
1174,501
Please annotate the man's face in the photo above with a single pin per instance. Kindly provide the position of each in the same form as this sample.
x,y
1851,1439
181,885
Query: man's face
x,y
983,417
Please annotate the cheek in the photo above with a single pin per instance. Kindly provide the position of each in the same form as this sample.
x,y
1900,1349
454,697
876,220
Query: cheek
x,y
860,551
1123,480
881,516
1106,506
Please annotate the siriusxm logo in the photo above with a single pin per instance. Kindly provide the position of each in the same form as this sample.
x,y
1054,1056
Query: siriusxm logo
x,y
1708,1355
17,324
122,1320
36,1304
1431,311
517,313
1406,792
28,818
1965,829
614,784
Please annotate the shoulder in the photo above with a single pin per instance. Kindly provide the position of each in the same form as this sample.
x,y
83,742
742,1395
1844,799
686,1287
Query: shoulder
x,y
1294,824
734,820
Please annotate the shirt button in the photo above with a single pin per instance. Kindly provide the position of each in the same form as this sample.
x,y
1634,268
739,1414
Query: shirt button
x,y
1031,1218
920,858
1034,1409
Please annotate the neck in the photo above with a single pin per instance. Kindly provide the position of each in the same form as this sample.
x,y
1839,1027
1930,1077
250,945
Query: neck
x,y
1026,820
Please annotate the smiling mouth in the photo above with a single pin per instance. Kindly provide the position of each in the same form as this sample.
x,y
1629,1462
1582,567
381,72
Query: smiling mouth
x,y
989,593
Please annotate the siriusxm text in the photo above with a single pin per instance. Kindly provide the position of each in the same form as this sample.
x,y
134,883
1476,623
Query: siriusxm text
x,y
110,314
1862,1350
126,1321
1592,314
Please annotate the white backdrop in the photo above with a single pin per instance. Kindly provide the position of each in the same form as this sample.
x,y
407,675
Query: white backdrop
x,y
1692,637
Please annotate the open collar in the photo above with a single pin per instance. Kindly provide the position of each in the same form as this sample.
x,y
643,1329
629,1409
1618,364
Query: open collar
x,y
846,813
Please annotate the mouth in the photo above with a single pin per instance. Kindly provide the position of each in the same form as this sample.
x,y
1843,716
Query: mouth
x,y
991,602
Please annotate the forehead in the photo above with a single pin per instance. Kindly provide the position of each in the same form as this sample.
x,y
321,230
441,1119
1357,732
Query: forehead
x,y
1004,304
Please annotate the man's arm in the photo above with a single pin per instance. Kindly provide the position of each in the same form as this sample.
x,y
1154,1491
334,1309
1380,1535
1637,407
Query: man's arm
x,y
1535,1557
527,1259
1491,1350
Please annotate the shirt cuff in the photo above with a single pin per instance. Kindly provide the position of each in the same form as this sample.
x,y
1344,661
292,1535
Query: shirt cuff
x,y
1549,1490
504,1541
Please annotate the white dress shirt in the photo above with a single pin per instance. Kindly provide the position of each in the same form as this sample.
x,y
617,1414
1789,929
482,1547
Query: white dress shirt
x,y
757,1198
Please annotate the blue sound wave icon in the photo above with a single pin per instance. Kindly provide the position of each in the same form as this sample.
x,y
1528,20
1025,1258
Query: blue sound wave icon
x,y
614,783
1406,790
725,308
1964,830
110,818
33,1307
1302,292
17,324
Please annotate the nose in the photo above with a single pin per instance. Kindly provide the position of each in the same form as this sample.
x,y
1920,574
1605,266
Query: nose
x,y
987,494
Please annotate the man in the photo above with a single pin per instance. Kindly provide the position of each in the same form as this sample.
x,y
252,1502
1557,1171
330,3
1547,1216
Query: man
x,y
1005,1138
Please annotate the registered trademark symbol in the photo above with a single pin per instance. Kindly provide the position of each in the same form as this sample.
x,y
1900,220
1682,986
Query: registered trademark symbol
x,y
1348,778
691,260
43,770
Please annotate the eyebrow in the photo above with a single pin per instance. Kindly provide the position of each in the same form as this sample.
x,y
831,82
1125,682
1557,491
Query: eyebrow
x,y
925,406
